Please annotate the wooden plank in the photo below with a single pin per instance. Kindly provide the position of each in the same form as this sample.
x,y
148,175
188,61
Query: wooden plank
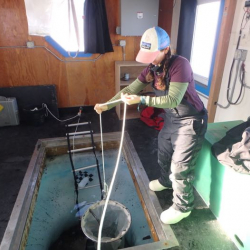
x,y
225,31
165,15
77,83
13,23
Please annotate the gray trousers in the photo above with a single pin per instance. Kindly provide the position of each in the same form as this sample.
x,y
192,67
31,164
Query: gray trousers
x,y
179,143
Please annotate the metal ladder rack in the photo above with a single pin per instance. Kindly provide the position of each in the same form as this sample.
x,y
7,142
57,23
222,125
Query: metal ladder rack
x,y
70,151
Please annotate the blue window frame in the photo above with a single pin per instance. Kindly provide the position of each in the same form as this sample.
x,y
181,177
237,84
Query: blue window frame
x,y
199,85
62,51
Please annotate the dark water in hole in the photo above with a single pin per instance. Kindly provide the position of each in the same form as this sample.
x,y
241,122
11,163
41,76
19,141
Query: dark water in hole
x,y
74,239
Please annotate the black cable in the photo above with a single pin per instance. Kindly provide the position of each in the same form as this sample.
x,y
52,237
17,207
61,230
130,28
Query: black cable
x,y
73,168
242,77
229,80
71,159
232,66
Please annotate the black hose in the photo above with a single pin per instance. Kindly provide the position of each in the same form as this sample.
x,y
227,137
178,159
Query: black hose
x,y
242,77
73,168
232,66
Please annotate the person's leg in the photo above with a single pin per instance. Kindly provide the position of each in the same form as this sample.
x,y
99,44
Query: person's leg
x,y
164,161
187,143
165,152
186,149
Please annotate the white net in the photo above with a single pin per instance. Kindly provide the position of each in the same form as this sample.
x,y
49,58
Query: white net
x,y
116,223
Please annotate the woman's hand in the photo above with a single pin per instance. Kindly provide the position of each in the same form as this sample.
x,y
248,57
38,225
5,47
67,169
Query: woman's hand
x,y
130,99
99,108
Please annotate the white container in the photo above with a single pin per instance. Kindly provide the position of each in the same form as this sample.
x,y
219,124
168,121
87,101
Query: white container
x,y
9,115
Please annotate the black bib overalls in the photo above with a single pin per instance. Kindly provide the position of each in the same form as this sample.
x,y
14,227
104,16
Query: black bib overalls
x,y
179,143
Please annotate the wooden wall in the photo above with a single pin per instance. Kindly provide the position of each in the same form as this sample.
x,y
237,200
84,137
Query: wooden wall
x,y
77,83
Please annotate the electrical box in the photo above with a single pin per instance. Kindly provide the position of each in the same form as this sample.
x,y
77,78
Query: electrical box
x,y
9,111
138,16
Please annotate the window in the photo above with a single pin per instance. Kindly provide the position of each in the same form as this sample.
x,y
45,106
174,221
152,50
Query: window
x,y
64,35
204,40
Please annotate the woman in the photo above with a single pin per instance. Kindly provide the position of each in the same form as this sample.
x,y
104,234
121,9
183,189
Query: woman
x,y
185,121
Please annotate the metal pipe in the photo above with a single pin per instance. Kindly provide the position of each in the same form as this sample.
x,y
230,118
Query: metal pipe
x,y
79,133
83,168
80,150
77,124
44,47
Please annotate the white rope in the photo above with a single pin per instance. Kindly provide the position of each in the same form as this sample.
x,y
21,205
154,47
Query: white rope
x,y
112,181
103,104
105,186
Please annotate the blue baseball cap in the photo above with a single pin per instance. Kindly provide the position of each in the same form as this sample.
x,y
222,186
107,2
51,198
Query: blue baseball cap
x,y
152,42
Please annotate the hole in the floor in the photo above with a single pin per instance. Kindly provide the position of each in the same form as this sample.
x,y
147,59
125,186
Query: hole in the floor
x,y
70,239
238,240
74,239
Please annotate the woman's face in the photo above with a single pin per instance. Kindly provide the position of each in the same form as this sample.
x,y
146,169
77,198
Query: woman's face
x,y
160,56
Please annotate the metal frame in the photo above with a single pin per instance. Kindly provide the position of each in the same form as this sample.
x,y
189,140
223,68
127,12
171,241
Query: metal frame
x,y
21,216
